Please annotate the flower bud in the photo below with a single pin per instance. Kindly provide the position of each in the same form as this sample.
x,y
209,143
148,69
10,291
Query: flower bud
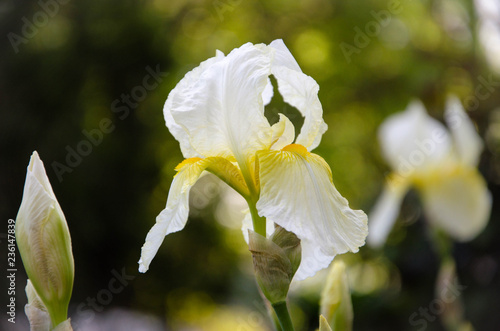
x,y
336,305
44,242
290,244
275,262
323,324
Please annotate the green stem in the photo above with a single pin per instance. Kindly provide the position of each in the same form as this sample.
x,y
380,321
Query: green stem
x,y
259,223
283,316
442,244
453,316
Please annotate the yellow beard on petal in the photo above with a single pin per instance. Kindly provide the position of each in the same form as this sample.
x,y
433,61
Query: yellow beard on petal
x,y
296,148
186,162
439,173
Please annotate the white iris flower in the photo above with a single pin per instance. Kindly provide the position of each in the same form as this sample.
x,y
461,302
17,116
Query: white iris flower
x,y
216,112
440,164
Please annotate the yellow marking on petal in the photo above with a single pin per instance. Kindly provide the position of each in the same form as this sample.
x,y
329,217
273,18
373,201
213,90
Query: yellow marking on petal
x,y
186,162
397,182
443,172
296,148
228,173
309,206
220,167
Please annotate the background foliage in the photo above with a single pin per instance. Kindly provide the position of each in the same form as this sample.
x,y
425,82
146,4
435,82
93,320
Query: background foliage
x,y
71,71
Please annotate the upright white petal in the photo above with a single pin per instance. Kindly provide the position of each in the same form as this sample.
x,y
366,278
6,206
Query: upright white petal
x,y
179,133
283,57
300,91
466,140
222,111
268,93
297,193
457,200
283,133
413,141
386,210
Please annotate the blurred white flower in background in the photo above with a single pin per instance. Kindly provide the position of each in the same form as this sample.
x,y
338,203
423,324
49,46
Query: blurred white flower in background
x,y
488,27
440,164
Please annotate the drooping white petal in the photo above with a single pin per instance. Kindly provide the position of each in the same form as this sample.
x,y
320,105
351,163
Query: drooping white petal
x,y
222,111
413,141
283,133
179,133
386,210
457,200
297,193
466,140
174,217
300,91
313,259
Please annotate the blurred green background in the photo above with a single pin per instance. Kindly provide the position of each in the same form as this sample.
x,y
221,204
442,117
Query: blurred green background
x,y
67,67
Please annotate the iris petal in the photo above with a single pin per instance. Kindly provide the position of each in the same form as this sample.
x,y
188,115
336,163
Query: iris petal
x,y
466,140
386,210
222,111
283,133
297,193
300,91
413,141
179,133
457,200
175,215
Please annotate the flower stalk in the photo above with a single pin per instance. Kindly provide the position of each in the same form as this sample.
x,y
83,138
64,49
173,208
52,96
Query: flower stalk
x,y
284,318
447,288
258,222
